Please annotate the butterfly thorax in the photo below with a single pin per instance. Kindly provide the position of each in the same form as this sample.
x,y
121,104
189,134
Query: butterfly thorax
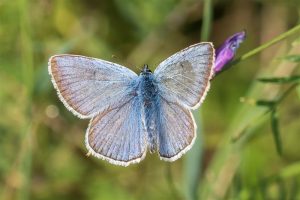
x,y
149,96
148,86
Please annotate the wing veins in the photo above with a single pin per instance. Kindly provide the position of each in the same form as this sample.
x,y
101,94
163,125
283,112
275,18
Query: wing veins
x,y
192,92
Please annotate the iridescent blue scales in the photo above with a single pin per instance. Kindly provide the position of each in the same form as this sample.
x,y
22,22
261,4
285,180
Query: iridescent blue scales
x,y
132,113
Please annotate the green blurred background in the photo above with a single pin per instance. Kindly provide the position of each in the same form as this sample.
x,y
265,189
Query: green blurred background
x,y
42,152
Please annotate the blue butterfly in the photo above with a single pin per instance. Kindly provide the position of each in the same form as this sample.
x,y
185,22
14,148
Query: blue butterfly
x,y
131,113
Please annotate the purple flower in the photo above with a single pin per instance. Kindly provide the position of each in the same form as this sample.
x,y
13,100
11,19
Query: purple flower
x,y
226,52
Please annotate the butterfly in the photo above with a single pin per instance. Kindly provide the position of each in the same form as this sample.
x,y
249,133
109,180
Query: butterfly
x,y
131,114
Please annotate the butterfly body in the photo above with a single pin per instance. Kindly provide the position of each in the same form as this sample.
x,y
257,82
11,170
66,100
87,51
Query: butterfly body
x,y
132,113
150,101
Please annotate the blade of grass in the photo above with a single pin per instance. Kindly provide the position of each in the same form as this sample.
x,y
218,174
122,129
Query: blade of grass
x,y
292,58
286,93
294,189
269,104
171,183
292,170
27,73
281,190
282,176
193,161
280,80
276,132
207,18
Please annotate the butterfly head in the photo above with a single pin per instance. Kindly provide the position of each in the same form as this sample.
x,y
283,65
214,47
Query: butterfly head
x,y
146,70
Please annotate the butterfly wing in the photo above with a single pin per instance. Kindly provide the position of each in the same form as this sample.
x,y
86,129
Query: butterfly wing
x,y
177,130
118,134
88,85
183,81
184,77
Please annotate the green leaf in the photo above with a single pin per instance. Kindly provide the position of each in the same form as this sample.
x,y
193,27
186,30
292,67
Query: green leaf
x,y
298,91
292,170
280,80
281,189
294,188
266,103
292,58
275,131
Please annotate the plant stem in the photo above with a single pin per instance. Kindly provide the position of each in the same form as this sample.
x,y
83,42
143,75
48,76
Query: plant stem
x,y
25,159
171,182
266,45
286,93
193,160
207,18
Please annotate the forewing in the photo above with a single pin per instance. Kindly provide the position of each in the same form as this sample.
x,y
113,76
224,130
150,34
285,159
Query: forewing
x,y
118,135
184,77
87,85
177,130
